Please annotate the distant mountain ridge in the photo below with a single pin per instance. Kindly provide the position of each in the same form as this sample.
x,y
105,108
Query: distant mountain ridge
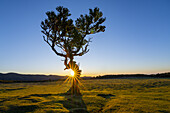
x,y
124,76
28,77
40,77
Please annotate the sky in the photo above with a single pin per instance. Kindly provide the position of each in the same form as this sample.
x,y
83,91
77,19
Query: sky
x,y
136,40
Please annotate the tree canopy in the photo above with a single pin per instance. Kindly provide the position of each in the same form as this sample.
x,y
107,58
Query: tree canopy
x,y
67,38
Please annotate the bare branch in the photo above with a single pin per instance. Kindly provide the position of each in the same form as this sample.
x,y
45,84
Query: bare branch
x,y
60,54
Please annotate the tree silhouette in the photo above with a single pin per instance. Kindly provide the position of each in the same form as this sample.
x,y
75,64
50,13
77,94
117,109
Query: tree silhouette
x,y
61,34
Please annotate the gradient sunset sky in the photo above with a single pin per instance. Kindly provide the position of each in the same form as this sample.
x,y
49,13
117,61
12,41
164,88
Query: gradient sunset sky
x,y
136,40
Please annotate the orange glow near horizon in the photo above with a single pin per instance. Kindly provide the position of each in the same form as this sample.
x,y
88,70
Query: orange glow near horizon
x,y
68,73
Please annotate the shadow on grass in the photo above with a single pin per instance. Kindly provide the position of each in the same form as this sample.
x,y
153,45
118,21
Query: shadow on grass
x,y
20,109
5,90
74,104
107,96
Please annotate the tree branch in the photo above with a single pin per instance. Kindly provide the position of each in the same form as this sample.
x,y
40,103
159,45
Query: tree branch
x,y
60,54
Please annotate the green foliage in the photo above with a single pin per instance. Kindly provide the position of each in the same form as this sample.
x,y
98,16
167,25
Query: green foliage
x,y
59,31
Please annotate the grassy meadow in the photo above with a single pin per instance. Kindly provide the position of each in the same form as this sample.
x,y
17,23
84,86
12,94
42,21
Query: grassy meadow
x,y
98,96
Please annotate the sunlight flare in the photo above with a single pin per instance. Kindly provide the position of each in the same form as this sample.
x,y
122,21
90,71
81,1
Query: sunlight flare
x,y
72,73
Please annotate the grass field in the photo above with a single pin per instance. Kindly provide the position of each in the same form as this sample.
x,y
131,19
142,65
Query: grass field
x,y
98,96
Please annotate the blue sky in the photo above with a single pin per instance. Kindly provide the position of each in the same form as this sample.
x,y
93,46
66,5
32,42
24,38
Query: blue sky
x,y
136,40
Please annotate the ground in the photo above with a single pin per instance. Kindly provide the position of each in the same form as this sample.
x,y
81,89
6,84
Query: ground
x,y
98,96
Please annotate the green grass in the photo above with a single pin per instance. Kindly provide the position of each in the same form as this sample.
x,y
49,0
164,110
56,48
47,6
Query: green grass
x,y
98,96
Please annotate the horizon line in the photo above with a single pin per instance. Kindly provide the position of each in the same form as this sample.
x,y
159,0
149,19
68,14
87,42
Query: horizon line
x,y
83,75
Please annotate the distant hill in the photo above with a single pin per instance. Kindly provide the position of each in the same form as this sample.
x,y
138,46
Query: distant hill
x,y
124,76
28,77
16,77
8,77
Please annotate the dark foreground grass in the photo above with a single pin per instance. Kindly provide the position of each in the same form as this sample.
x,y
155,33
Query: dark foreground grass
x,y
98,96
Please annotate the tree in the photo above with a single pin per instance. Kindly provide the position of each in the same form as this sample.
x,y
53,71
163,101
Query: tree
x,y
61,34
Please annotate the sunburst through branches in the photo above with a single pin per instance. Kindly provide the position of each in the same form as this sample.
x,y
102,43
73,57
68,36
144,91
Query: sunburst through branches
x,y
74,77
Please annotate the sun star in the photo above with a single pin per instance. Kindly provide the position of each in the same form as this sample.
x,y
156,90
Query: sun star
x,y
72,73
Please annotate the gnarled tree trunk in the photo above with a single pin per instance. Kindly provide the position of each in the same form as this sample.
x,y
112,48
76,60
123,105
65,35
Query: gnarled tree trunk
x,y
75,86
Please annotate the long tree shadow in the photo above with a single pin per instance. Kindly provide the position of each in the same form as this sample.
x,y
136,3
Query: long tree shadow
x,y
74,104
